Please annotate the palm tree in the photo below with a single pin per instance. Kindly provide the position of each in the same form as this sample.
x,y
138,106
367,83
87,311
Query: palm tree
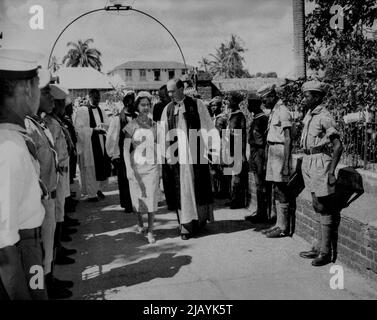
x,y
218,63
204,63
80,55
228,60
234,58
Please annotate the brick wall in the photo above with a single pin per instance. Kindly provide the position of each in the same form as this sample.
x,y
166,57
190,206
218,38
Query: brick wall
x,y
357,245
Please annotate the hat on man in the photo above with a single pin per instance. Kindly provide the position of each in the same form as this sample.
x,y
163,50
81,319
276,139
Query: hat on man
x,y
16,64
266,89
58,92
315,85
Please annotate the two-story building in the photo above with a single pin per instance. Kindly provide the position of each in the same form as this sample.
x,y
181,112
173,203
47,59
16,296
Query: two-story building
x,y
147,75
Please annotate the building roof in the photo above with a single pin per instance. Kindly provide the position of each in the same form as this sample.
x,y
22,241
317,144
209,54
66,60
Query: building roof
x,y
152,85
151,65
248,84
83,78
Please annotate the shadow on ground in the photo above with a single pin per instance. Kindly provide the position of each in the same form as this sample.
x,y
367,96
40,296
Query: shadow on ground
x,y
166,265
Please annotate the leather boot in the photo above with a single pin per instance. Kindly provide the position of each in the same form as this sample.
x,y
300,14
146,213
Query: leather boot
x,y
312,254
322,259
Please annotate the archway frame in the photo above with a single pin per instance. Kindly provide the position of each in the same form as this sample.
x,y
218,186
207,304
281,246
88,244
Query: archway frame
x,y
116,7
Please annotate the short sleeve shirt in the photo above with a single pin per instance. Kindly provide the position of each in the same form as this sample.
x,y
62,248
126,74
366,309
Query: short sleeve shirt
x,y
319,126
20,193
280,118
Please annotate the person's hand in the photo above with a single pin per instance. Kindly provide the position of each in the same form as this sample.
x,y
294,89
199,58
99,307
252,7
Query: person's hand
x,y
285,171
116,162
130,174
331,178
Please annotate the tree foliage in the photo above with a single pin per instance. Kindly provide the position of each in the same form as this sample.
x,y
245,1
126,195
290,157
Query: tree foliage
x,y
345,58
227,61
81,55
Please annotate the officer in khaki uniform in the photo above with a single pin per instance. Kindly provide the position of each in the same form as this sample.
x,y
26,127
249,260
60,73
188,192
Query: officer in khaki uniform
x,y
278,167
318,169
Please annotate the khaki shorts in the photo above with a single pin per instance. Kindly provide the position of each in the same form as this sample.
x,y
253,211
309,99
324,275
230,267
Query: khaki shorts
x,y
315,170
275,163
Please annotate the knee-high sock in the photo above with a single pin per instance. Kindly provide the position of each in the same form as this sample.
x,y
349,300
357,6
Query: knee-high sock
x,y
326,225
282,215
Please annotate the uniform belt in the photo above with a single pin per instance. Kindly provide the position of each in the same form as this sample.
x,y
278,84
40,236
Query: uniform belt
x,y
63,169
270,143
30,233
316,150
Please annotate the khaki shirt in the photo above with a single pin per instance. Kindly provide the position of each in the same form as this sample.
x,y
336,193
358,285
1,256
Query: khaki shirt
x,y
319,126
59,139
46,153
280,118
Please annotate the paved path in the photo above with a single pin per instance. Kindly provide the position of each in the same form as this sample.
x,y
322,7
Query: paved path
x,y
231,261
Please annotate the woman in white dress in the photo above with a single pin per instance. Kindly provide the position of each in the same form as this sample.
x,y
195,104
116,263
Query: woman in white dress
x,y
141,164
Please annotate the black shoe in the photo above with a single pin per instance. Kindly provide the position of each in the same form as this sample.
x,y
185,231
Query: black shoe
x,y
266,231
322,260
70,222
63,283
312,254
66,238
67,252
63,260
256,218
67,230
100,195
277,233
94,199
58,293
185,236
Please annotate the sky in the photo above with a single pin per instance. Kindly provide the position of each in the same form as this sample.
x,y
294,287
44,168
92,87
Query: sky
x,y
265,27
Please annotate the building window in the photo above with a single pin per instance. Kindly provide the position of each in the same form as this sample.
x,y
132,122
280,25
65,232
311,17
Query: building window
x,y
171,74
157,75
143,75
128,74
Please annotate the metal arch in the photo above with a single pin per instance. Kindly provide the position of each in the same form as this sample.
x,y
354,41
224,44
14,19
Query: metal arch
x,y
116,8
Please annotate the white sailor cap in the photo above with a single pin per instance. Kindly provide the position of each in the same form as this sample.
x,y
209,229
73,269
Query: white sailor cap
x,y
59,92
16,64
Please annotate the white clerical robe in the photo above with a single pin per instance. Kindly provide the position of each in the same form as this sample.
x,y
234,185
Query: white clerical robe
x,y
189,209
85,150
